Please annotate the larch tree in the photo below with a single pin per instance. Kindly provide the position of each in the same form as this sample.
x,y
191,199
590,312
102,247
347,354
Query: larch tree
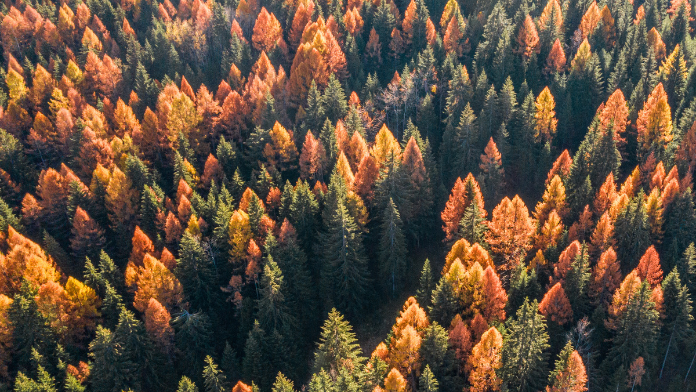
x,y
654,123
606,278
555,305
509,232
556,61
545,116
492,175
485,361
464,193
87,237
527,39
649,269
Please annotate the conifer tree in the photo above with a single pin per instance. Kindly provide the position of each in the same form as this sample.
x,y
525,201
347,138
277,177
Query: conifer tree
x,y
337,345
392,248
344,272
196,274
524,352
569,373
426,284
485,361
214,379
678,318
631,232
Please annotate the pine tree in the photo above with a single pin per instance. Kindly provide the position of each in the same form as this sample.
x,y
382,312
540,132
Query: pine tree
x,y
393,260
524,352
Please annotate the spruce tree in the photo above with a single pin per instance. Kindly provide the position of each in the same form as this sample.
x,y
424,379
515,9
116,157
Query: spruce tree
x,y
427,381
576,283
194,340
426,284
473,225
214,379
337,346
524,353
335,103
195,271
632,232
677,327
392,253
344,276
636,334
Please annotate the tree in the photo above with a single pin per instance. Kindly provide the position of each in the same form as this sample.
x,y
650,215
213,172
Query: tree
x,y
464,193
282,384
654,123
214,379
394,382
556,61
186,385
153,280
527,39
569,374
392,248
87,237
649,269
344,272
606,278
545,117
678,318
523,354
337,347
555,305
267,31
494,296
125,358
631,231
509,232
426,284
157,320
485,362
492,172
427,381
121,203
196,274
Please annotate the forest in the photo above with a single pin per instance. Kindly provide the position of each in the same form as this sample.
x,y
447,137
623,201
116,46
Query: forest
x,y
347,195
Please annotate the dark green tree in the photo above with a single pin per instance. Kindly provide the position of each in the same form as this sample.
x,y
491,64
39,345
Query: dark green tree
x,y
392,253
196,272
524,354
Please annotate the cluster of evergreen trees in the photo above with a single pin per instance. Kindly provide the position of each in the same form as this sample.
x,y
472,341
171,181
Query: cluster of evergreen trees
x,y
157,236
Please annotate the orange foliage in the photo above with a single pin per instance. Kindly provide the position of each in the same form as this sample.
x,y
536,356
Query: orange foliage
x,y
510,232
153,280
463,194
649,269
555,305
485,361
